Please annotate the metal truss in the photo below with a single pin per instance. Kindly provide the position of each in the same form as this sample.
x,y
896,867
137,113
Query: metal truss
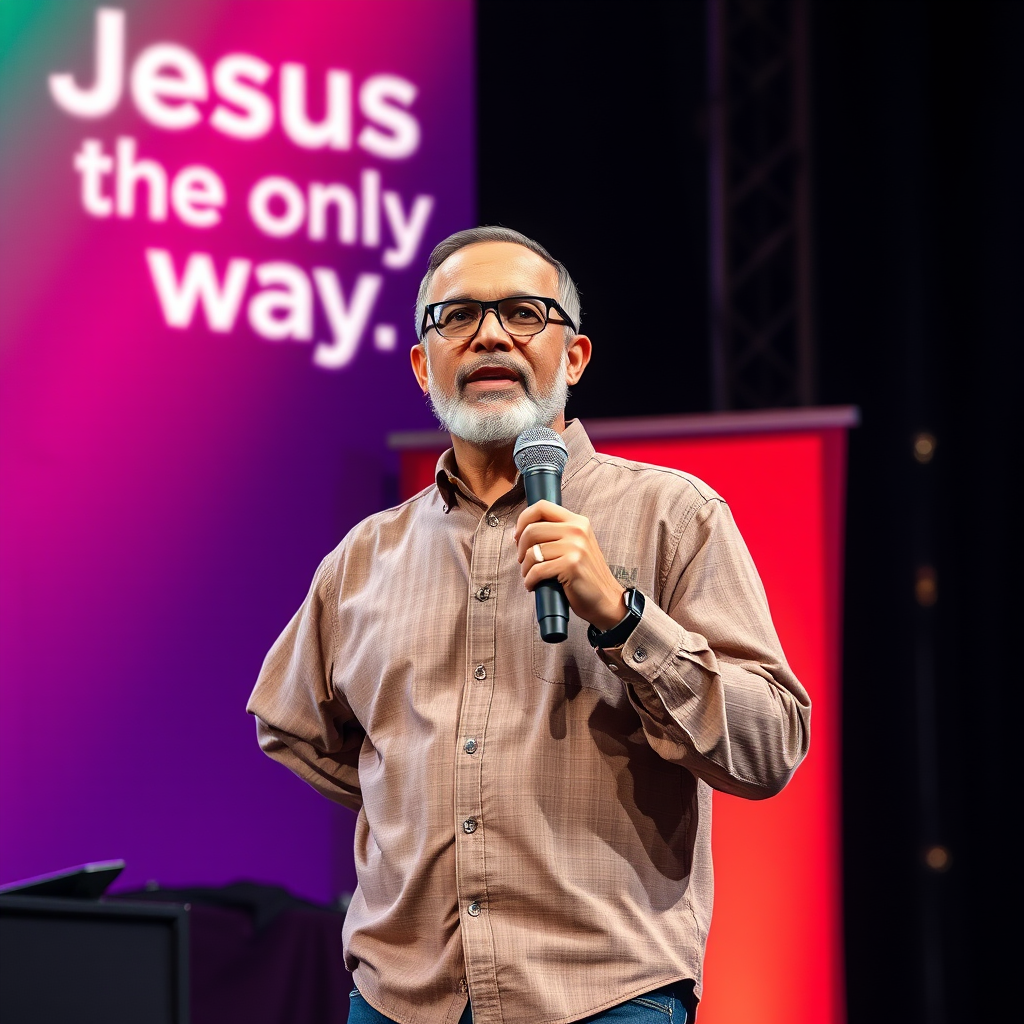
x,y
761,312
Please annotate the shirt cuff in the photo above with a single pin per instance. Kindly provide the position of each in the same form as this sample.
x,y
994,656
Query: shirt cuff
x,y
659,649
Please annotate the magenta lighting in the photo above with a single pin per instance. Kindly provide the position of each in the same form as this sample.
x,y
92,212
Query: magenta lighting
x,y
215,215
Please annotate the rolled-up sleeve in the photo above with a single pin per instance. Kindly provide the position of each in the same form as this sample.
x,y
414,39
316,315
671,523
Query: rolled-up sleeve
x,y
706,672
301,718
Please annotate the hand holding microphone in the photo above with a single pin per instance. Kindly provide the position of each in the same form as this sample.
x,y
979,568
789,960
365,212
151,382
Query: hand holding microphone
x,y
561,560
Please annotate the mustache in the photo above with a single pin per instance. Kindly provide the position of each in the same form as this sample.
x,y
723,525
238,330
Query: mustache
x,y
521,371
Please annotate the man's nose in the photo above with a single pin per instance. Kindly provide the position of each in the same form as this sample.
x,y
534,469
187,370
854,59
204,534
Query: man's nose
x,y
491,335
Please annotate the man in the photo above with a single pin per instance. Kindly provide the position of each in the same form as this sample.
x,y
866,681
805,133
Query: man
x,y
534,819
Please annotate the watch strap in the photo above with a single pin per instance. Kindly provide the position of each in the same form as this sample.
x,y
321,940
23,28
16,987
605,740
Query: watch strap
x,y
620,632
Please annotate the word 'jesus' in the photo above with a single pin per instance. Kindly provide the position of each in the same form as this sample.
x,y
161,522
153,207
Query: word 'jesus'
x,y
168,83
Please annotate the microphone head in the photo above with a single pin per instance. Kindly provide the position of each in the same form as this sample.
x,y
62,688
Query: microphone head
x,y
539,447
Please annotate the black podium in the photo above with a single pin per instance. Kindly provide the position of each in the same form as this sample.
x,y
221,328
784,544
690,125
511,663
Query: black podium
x,y
67,961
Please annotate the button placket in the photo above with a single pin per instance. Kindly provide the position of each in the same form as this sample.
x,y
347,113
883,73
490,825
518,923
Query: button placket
x,y
470,765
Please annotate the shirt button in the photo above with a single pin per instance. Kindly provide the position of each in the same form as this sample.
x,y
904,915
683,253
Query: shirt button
x,y
469,826
493,520
614,667
483,593
473,909
639,655
481,673
469,746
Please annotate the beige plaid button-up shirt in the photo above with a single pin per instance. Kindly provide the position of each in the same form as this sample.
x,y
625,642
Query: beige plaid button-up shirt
x,y
534,820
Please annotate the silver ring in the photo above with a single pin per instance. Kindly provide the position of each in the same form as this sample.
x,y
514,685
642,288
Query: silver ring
x,y
537,553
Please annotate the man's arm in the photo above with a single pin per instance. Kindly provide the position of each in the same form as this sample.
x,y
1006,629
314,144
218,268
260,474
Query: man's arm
x,y
705,671
301,719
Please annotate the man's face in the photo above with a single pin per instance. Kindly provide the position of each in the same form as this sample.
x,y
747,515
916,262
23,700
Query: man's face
x,y
490,388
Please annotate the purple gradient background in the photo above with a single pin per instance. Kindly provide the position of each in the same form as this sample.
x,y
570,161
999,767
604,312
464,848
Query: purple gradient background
x,y
166,495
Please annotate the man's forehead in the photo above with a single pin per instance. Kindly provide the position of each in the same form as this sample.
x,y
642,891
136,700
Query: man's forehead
x,y
492,270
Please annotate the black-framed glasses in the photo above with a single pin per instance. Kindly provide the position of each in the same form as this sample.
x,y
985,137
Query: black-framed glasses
x,y
519,315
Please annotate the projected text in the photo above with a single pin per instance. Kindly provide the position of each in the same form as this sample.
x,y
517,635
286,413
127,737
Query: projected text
x,y
244,98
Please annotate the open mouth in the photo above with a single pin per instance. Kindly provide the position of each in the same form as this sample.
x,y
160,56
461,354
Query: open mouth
x,y
492,378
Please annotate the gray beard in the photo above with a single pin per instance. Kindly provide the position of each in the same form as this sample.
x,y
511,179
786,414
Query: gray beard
x,y
480,424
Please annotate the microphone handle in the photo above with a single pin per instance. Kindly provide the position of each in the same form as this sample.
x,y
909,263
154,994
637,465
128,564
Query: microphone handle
x,y
552,606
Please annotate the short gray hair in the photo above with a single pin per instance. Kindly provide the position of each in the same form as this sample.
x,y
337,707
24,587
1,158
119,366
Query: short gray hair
x,y
568,295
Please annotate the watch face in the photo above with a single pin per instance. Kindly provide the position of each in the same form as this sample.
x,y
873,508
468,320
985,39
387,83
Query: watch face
x,y
634,601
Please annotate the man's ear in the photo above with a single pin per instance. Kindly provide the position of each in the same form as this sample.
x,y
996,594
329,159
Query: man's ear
x,y
577,357
418,358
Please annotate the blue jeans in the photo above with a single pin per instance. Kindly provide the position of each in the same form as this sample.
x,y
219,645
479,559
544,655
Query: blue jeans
x,y
658,1007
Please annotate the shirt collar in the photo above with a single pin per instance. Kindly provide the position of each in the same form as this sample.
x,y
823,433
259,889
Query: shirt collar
x,y
575,438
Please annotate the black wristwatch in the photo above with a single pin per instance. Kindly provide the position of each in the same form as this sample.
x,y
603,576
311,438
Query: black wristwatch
x,y
619,633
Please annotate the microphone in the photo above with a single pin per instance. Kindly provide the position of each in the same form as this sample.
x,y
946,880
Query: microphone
x,y
540,457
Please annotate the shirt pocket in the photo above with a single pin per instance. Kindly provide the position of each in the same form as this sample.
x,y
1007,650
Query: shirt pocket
x,y
574,663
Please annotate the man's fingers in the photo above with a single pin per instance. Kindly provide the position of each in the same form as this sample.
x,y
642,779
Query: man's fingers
x,y
567,550
553,566
540,533
540,554
541,511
